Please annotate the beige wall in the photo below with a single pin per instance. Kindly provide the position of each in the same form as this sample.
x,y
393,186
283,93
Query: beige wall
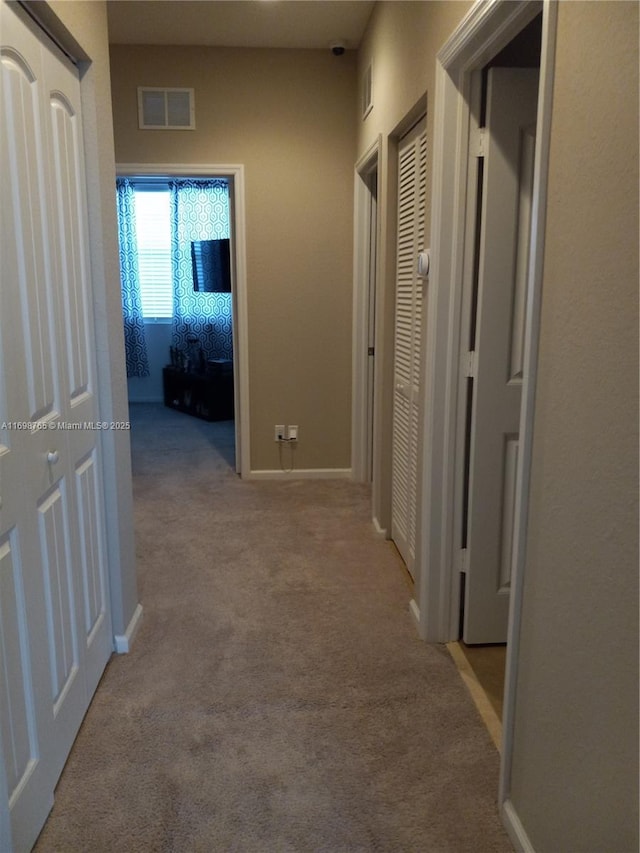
x,y
83,25
576,749
401,42
287,115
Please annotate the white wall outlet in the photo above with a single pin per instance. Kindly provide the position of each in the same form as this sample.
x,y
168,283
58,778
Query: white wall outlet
x,y
279,432
292,432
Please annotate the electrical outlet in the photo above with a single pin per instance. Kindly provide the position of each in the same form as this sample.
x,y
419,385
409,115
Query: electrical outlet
x,y
279,432
292,432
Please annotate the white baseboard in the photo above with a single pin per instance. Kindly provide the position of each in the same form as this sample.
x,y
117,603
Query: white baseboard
x,y
122,642
302,474
414,610
514,827
380,531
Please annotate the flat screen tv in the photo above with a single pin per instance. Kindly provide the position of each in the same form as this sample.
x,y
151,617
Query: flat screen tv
x,y
211,263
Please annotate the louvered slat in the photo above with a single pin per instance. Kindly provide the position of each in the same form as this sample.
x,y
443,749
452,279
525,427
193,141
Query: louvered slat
x,y
412,184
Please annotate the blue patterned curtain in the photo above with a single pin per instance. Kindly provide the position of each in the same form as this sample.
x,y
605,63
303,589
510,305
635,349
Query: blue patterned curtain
x,y
199,211
134,339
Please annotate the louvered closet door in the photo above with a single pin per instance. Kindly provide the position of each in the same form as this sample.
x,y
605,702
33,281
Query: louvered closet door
x,y
412,160
55,631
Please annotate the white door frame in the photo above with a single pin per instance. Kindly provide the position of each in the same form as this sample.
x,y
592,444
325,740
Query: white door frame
x,y
361,408
235,173
484,31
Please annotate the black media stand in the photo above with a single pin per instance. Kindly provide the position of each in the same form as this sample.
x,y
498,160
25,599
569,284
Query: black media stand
x,y
207,395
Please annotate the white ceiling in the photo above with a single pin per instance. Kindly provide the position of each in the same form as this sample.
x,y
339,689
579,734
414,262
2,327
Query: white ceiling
x,y
239,23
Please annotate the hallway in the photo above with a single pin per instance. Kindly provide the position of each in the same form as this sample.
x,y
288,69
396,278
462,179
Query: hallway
x,y
277,697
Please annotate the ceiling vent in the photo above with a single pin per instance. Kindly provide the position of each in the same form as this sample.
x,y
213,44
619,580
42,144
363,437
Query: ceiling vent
x,y
367,92
166,109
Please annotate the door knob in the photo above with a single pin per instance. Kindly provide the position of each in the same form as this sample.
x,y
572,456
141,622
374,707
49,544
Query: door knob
x,y
52,457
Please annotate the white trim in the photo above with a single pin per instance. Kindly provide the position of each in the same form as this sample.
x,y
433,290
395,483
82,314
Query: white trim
x,y
239,296
302,474
369,162
486,28
531,343
122,642
380,531
414,610
515,829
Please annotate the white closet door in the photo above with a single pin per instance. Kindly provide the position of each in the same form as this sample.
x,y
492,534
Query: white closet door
x,y
412,159
55,631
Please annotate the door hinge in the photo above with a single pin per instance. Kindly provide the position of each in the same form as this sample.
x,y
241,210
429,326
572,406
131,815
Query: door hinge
x,y
464,560
371,351
478,142
470,365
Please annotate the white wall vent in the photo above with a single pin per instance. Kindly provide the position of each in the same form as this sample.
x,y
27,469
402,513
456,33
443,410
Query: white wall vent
x,y
367,92
166,109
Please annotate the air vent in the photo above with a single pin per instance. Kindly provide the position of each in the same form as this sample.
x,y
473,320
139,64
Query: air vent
x,y
166,109
367,96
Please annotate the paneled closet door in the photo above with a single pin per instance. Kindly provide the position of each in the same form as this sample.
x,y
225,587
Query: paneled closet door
x,y
412,161
55,631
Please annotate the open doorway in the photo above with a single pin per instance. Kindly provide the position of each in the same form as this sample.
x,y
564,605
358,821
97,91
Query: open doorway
x,y
503,111
483,34
364,313
498,235
185,324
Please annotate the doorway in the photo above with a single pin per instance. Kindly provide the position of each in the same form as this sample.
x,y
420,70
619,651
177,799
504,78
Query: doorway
x,y
364,312
503,108
481,36
233,176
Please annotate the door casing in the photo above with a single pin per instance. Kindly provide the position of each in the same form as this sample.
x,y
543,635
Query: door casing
x,y
235,174
485,30
366,267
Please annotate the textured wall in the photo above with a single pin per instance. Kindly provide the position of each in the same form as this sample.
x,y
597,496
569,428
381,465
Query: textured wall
x,y
401,42
575,750
287,116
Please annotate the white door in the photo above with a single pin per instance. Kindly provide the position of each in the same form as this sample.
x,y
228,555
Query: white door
x,y
512,95
55,630
412,176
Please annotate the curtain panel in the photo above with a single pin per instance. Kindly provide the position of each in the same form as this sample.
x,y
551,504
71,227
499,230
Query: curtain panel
x,y
200,210
134,337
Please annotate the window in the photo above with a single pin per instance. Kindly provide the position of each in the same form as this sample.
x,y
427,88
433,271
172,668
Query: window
x,y
153,237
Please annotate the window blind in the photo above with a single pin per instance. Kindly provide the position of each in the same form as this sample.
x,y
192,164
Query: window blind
x,y
153,232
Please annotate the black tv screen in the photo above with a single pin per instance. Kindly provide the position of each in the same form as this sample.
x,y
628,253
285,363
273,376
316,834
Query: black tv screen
x,y
211,263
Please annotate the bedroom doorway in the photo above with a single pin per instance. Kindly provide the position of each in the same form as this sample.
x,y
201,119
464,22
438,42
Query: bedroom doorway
x,y
196,347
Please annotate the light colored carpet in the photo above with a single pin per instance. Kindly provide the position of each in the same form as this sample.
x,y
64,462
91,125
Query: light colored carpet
x,y
277,697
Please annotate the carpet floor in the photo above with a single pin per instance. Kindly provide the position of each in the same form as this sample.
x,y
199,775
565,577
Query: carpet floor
x,y
277,697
